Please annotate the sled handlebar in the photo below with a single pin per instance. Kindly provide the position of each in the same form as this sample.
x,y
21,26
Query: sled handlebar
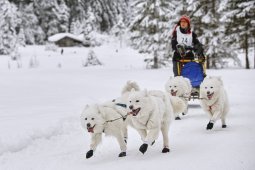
x,y
189,60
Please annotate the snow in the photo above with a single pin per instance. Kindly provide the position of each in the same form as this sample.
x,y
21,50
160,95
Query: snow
x,y
40,115
60,36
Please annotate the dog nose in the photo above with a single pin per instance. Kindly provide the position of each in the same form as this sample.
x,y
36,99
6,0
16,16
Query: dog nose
x,y
88,125
208,92
131,107
172,90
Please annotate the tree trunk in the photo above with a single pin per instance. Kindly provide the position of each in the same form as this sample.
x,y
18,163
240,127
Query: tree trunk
x,y
155,59
246,47
207,62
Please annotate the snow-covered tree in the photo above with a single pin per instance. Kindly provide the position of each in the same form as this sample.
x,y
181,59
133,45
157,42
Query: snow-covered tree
x,y
119,30
76,27
9,21
88,27
239,17
106,13
53,16
29,24
77,13
91,60
210,30
150,31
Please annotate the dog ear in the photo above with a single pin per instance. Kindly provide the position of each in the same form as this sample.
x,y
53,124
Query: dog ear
x,y
86,106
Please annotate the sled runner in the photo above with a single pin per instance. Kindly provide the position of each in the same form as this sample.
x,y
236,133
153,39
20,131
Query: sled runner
x,y
192,68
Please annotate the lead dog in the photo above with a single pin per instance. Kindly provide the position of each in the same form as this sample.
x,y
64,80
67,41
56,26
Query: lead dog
x,y
99,119
214,100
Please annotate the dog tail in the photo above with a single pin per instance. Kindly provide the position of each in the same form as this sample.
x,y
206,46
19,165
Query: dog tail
x,y
129,86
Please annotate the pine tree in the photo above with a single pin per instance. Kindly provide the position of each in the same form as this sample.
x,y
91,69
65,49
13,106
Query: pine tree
x,y
9,22
29,24
209,28
150,32
77,12
89,29
91,60
53,16
239,16
106,13
119,29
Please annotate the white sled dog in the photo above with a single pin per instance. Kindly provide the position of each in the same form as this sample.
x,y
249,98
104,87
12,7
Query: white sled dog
x,y
99,119
181,87
120,104
151,112
214,100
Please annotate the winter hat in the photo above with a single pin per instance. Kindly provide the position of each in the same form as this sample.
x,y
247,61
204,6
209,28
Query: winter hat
x,y
186,18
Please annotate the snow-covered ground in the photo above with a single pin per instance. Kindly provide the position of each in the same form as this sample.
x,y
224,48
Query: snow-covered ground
x,y
40,115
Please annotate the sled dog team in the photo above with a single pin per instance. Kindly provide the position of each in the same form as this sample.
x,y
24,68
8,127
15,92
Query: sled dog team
x,y
151,112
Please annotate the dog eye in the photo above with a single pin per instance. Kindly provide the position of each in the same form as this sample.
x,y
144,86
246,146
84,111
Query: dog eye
x,y
205,87
170,86
211,87
130,101
85,118
137,101
113,100
92,118
174,86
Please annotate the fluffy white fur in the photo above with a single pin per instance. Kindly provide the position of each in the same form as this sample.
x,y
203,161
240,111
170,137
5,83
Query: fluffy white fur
x,y
181,87
214,100
95,119
170,104
151,112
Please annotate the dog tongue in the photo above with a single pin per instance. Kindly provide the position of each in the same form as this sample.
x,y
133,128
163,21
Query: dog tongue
x,y
91,130
173,93
210,96
135,112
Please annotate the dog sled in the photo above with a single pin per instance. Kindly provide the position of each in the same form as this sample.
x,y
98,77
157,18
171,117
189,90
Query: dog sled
x,y
192,68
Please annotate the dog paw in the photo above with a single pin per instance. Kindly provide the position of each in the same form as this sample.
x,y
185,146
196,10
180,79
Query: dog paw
x,y
89,154
224,126
165,150
143,148
153,143
183,113
177,118
122,154
209,126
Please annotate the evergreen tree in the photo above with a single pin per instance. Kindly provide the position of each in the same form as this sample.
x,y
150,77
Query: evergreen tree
x,y
239,17
119,29
205,18
106,13
53,16
89,30
150,32
77,12
32,31
91,60
9,24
